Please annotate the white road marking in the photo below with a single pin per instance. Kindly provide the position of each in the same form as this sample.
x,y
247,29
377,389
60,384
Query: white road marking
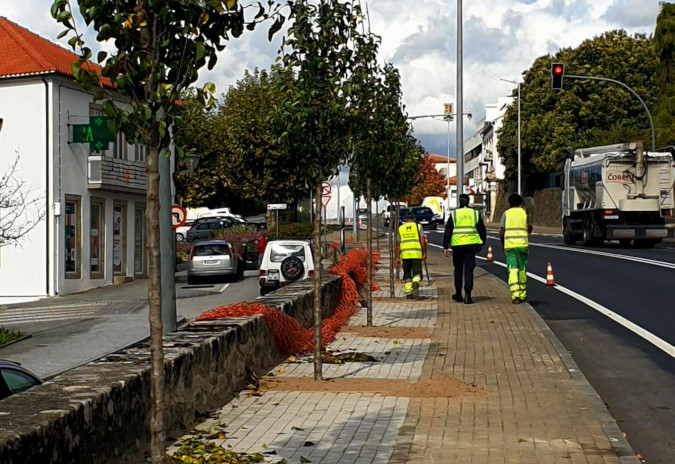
x,y
223,288
636,329
635,259
49,313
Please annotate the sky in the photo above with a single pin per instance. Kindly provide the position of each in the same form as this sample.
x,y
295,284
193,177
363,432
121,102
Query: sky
x,y
501,39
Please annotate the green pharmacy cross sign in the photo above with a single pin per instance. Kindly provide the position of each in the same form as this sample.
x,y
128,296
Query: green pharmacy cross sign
x,y
97,133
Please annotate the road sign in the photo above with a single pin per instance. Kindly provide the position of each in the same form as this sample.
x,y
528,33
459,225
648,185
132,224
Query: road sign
x,y
326,188
96,133
276,206
178,216
324,200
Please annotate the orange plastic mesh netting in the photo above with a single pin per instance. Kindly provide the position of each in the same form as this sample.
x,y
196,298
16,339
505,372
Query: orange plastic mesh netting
x,y
290,336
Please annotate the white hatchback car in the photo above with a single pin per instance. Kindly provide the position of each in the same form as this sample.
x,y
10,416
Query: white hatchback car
x,y
285,262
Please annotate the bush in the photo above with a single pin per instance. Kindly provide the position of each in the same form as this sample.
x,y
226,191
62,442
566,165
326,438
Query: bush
x,y
294,230
183,250
239,237
9,335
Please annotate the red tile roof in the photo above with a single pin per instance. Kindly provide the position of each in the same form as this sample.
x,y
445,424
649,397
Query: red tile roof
x,y
25,53
440,158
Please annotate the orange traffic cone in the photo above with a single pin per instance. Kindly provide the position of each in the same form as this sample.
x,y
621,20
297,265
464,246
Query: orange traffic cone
x,y
489,255
550,280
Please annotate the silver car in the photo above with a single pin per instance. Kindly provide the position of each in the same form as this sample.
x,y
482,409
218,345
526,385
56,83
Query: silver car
x,y
215,258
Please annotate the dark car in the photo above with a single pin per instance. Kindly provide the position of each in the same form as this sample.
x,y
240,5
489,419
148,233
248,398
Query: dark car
x,y
204,228
423,216
15,379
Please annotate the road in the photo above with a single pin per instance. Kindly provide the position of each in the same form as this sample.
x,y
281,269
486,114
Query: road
x,y
634,377
69,331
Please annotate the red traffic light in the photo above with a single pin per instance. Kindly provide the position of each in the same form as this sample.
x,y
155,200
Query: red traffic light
x,y
557,74
558,70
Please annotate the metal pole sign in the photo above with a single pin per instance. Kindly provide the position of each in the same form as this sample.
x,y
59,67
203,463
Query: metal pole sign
x,y
277,206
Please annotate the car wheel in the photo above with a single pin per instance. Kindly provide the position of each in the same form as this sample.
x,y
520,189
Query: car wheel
x,y
292,268
180,237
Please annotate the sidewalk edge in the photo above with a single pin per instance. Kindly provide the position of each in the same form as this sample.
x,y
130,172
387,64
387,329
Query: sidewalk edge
x,y
609,426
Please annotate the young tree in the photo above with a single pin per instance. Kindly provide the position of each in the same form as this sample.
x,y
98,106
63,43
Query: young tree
x,y
312,119
20,211
160,47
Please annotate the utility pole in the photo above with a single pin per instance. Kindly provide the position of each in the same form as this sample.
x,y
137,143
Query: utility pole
x,y
460,103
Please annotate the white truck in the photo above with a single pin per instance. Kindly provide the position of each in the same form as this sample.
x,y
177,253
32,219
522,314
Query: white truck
x,y
617,192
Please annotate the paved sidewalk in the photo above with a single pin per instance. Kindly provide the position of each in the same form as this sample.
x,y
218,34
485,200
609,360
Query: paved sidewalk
x,y
535,407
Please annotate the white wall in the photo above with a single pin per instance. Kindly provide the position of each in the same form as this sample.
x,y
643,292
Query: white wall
x,y
23,269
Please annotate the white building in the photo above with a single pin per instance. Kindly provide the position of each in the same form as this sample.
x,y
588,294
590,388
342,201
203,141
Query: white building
x,y
93,231
482,161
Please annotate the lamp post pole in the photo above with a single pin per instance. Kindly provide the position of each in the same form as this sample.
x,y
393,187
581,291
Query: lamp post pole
x,y
520,190
447,174
460,103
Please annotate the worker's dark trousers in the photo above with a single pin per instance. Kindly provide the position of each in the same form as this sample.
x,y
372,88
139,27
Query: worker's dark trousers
x,y
464,260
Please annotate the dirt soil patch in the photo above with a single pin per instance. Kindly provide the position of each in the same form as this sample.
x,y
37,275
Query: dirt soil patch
x,y
442,386
387,332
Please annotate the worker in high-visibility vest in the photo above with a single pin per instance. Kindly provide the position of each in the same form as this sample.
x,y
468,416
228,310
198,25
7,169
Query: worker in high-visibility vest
x,y
465,233
411,252
514,230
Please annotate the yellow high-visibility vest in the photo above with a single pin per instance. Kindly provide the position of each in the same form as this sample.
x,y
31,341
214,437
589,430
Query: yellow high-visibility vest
x,y
515,229
464,230
411,248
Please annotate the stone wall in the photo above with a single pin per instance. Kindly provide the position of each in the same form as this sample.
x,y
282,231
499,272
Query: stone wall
x,y
547,207
99,413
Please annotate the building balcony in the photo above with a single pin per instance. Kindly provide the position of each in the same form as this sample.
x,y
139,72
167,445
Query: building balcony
x,y
114,174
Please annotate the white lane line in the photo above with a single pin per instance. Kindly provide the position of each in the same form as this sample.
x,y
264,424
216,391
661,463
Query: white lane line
x,y
636,329
636,259
222,289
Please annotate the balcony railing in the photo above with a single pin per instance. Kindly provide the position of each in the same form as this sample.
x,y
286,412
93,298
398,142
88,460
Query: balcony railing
x,y
108,173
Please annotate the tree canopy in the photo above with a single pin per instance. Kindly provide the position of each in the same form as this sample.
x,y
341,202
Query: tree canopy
x,y
664,43
428,183
584,113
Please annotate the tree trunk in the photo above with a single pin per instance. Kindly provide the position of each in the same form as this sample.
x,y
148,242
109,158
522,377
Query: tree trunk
x,y
158,434
317,283
397,222
377,227
392,258
369,257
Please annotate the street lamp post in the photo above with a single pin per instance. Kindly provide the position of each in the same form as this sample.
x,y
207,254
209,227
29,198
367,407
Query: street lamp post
x,y
448,116
519,162
460,103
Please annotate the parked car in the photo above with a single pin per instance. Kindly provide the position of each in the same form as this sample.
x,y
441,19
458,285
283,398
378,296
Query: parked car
x,y
181,232
390,208
15,379
204,228
285,262
213,258
423,216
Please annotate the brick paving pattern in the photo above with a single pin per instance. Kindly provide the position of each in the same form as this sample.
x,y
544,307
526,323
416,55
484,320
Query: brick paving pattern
x,y
533,410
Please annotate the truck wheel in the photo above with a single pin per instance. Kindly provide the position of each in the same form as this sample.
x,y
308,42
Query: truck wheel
x,y
568,235
589,239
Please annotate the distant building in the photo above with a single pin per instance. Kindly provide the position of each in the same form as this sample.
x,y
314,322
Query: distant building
x,y
483,165
93,232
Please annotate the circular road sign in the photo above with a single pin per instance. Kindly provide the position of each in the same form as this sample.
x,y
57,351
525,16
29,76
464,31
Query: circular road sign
x,y
325,188
178,216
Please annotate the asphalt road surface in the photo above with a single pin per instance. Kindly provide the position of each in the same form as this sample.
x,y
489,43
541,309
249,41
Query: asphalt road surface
x,y
613,310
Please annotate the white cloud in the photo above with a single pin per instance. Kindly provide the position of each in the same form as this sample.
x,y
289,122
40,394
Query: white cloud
x,y
500,38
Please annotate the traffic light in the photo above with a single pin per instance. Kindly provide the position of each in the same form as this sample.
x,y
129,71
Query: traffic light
x,y
557,74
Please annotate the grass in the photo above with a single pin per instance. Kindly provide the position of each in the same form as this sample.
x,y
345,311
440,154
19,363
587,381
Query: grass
x,y
9,335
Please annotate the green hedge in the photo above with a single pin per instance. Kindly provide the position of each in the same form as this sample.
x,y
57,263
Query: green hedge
x,y
291,230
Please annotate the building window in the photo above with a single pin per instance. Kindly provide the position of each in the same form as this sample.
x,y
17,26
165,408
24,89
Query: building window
x,y
139,152
96,238
73,240
139,241
119,237
120,147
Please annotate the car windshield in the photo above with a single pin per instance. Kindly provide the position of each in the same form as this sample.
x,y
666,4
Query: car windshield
x,y
403,211
422,210
212,250
279,252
